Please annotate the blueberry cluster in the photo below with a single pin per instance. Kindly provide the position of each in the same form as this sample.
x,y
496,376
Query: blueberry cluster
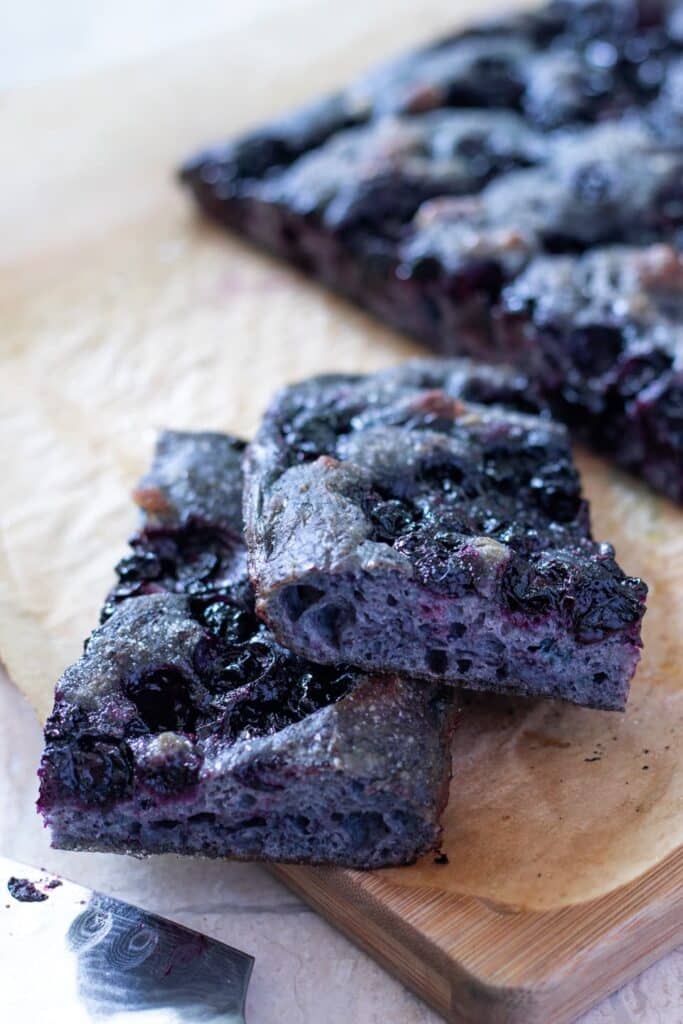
x,y
579,580
593,595
193,559
87,754
243,684
261,686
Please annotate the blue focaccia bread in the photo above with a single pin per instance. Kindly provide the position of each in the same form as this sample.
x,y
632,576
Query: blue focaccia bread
x,y
186,728
414,521
604,331
429,187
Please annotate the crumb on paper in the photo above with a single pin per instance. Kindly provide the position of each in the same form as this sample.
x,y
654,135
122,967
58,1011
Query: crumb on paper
x,y
25,891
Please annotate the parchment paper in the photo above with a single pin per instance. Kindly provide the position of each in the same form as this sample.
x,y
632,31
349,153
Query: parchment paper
x,y
123,314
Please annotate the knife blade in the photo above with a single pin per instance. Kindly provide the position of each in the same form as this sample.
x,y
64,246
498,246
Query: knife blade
x,y
70,954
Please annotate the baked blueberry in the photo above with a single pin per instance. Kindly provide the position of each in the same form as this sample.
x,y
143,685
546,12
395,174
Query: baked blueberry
x,y
185,727
604,332
436,537
375,176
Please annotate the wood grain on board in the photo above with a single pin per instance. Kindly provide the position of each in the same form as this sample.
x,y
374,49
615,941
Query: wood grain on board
x,y
478,964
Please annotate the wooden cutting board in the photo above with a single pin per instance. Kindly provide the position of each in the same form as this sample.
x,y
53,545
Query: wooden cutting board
x,y
121,315
481,965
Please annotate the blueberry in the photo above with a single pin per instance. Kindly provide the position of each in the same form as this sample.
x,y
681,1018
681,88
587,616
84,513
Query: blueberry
x,y
206,657
163,545
257,717
234,625
198,567
559,502
636,372
249,663
142,566
276,700
479,276
311,434
163,698
442,474
664,413
391,519
435,553
594,348
98,770
318,689
508,467
423,269
558,490
606,605
256,155
525,591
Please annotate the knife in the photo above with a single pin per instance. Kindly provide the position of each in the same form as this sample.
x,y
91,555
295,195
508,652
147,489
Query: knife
x,y
70,954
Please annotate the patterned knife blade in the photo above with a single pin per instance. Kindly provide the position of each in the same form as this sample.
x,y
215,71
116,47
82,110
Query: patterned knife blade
x,y
69,954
